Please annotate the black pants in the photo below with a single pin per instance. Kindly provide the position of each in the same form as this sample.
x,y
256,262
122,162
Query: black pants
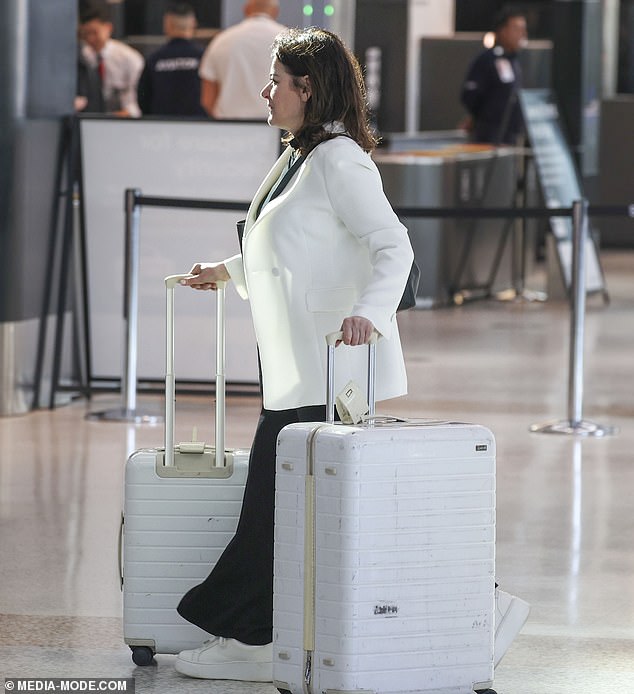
x,y
236,599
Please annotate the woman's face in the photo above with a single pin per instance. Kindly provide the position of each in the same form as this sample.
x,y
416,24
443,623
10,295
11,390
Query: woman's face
x,y
286,101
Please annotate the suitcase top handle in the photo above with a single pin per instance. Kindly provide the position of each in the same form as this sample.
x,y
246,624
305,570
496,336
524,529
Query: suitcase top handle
x,y
331,338
331,341
172,280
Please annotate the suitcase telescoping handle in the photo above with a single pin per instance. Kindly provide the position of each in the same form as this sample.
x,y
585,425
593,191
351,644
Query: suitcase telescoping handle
x,y
331,341
170,382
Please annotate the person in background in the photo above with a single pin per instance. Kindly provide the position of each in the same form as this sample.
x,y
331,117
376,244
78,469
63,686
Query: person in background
x,y
118,65
489,92
236,62
169,84
326,253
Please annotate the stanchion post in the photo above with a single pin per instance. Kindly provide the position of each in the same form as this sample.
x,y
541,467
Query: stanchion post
x,y
129,412
577,310
131,297
575,424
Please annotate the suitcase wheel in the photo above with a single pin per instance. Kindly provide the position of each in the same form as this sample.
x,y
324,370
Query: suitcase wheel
x,y
142,655
283,691
485,691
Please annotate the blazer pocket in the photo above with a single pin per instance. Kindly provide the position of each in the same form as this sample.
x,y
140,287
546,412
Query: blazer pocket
x,y
333,299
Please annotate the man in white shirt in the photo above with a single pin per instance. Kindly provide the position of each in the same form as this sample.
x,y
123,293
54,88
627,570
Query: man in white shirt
x,y
119,66
235,66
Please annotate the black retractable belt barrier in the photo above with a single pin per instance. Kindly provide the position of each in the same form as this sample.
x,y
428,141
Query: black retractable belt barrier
x,y
580,211
134,201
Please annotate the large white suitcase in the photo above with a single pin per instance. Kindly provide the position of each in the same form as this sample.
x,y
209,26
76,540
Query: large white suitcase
x,y
180,512
384,557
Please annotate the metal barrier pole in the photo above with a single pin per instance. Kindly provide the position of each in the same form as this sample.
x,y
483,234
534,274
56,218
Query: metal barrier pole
x,y
575,424
578,311
131,309
129,411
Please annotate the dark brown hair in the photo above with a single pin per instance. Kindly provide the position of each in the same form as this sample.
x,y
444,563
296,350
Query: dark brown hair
x,y
337,88
89,11
504,15
180,9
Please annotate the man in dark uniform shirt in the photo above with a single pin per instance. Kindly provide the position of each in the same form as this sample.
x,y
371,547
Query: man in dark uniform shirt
x,y
169,84
489,92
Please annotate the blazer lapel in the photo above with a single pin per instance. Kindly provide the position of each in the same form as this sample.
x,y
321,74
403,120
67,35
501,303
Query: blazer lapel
x,y
265,187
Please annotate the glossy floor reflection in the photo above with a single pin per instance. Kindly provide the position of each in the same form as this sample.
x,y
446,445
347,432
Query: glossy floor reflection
x,y
565,513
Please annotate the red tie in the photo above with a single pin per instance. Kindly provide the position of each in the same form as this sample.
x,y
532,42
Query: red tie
x,y
101,67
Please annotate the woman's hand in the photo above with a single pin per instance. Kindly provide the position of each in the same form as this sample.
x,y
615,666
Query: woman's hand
x,y
356,330
206,276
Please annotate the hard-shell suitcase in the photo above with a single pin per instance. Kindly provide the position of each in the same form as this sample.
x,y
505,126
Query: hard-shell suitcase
x,y
181,509
384,556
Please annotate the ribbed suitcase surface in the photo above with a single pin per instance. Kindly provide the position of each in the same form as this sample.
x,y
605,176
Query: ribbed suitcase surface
x,y
175,529
404,535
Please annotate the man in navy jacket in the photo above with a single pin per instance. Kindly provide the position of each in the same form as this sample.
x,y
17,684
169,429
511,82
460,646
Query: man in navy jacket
x,y
169,84
489,92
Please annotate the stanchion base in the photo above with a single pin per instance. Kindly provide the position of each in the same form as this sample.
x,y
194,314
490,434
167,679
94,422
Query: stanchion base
x,y
525,296
121,414
474,294
581,428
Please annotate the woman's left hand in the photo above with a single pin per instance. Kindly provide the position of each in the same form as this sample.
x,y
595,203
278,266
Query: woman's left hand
x,y
356,330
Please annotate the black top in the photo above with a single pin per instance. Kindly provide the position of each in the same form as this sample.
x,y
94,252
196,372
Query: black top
x,y
489,93
169,84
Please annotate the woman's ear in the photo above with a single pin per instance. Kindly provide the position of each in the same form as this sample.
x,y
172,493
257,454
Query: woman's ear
x,y
306,89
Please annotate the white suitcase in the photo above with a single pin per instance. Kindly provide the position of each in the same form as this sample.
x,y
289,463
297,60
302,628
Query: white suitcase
x,y
384,557
180,512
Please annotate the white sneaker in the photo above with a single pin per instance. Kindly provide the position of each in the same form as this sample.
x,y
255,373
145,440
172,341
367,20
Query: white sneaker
x,y
227,659
510,615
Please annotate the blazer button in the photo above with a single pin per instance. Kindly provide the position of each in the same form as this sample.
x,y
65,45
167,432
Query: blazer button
x,y
275,272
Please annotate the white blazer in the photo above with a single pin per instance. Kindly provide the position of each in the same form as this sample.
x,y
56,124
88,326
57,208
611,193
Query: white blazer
x,y
328,247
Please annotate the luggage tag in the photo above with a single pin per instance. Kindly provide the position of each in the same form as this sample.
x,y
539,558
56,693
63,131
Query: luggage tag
x,y
352,405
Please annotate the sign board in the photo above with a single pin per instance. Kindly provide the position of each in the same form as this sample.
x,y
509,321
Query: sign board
x,y
211,160
559,180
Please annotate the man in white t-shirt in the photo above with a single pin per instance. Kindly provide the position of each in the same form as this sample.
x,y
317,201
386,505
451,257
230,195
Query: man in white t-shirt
x,y
235,67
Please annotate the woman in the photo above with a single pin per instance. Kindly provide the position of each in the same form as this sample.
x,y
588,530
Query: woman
x,y
326,253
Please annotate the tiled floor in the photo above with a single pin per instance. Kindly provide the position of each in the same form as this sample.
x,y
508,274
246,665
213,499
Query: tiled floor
x,y
565,510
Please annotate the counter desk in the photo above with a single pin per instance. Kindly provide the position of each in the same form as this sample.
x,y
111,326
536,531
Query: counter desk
x,y
452,175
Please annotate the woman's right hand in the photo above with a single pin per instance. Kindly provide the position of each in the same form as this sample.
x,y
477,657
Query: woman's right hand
x,y
206,276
